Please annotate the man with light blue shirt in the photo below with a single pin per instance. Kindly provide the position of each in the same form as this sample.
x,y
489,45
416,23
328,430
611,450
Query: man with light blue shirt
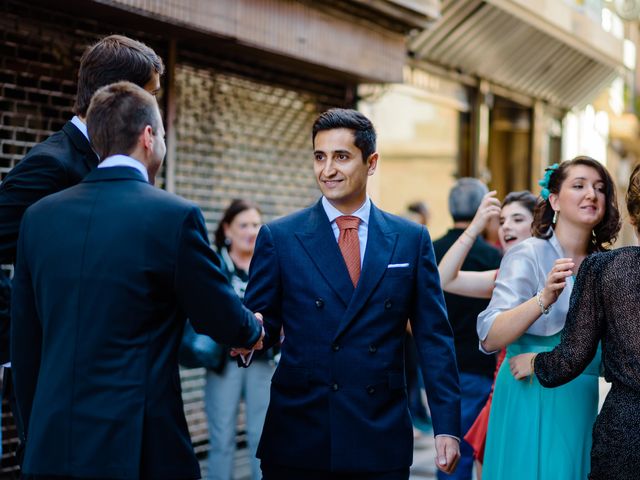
x,y
63,159
107,272
340,279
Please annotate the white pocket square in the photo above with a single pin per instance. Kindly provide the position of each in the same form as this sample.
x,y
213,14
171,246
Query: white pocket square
x,y
397,265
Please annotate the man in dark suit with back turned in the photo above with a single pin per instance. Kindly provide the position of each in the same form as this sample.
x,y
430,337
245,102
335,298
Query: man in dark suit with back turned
x,y
106,274
64,158
476,369
338,407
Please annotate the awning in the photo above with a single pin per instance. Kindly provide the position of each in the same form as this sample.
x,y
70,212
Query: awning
x,y
546,50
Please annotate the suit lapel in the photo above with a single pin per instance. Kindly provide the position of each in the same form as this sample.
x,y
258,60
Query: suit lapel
x,y
380,246
80,142
320,244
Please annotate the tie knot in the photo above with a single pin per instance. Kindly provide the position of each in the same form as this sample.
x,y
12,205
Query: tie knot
x,y
346,222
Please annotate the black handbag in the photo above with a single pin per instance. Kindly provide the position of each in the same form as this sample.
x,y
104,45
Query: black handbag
x,y
198,351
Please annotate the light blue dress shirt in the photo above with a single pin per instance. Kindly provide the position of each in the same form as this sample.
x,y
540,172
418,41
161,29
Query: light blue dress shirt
x,y
124,161
80,125
362,213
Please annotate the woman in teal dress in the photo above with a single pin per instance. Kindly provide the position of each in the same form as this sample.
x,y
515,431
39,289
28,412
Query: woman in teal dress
x,y
536,433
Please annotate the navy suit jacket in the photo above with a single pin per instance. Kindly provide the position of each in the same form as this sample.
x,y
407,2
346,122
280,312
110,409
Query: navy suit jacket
x,y
338,395
106,274
59,162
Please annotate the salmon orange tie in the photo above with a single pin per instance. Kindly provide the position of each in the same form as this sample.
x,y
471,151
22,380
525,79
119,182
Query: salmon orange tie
x,y
350,244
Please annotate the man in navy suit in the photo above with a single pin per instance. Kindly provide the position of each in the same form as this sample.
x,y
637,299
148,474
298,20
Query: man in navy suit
x,y
338,407
106,274
64,158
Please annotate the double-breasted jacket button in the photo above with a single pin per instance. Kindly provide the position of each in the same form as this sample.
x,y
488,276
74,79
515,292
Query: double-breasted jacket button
x,y
334,387
371,389
387,304
335,347
319,303
373,349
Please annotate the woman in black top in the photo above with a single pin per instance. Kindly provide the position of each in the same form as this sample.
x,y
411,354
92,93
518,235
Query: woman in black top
x,y
604,307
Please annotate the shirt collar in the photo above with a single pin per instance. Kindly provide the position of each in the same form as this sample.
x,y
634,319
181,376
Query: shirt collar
x,y
124,161
362,213
80,125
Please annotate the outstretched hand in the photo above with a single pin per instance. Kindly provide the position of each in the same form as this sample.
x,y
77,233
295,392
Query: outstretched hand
x,y
234,352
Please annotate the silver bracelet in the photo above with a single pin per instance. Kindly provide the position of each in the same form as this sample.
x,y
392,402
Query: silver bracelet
x,y
544,310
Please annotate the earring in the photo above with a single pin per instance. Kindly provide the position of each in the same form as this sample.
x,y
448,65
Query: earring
x,y
227,242
555,217
593,236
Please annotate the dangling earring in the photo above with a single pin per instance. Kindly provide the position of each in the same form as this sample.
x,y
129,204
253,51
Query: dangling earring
x,y
593,236
555,217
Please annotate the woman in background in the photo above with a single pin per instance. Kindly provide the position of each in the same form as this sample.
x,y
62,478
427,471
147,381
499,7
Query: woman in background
x,y
604,307
515,216
235,240
536,433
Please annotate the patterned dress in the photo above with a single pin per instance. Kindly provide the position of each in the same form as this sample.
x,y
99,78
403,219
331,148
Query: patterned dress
x,y
604,307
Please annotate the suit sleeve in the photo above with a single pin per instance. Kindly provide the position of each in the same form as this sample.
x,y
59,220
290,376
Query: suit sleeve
x,y
204,293
26,335
33,178
434,341
263,292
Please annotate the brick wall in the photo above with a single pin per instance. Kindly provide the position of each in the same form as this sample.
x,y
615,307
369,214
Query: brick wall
x,y
242,128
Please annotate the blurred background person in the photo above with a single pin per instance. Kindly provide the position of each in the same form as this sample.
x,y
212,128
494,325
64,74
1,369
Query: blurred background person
x,y
536,433
476,369
419,213
603,308
235,240
514,217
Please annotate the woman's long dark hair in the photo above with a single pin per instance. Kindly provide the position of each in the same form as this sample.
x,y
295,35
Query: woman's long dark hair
x,y
236,207
606,231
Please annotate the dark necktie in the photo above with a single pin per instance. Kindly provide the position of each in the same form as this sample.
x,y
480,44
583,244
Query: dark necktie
x,y
349,244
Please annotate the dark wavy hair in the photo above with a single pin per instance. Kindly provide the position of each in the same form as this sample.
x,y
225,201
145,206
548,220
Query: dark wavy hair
x,y
364,134
236,207
606,231
524,197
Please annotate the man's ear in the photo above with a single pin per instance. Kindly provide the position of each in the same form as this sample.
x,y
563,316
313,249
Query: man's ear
x,y
372,162
147,137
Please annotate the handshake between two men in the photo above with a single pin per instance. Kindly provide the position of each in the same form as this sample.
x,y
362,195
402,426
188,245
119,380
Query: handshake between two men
x,y
244,355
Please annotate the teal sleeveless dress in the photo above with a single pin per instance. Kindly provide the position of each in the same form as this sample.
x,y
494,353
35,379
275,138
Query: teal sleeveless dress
x,y
538,433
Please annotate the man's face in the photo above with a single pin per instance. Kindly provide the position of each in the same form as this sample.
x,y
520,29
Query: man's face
x,y
153,85
340,169
158,151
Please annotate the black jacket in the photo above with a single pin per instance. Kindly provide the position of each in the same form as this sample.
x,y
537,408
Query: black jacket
x,y
59,162
463,311
106,274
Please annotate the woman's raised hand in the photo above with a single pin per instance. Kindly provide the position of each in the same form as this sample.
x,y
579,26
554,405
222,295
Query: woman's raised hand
x,y
489,208
556,280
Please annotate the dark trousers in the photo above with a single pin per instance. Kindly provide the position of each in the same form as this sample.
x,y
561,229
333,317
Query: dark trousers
x,y
278,472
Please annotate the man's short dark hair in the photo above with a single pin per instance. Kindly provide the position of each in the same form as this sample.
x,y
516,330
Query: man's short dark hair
x,y
117,115
112,59
363,131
